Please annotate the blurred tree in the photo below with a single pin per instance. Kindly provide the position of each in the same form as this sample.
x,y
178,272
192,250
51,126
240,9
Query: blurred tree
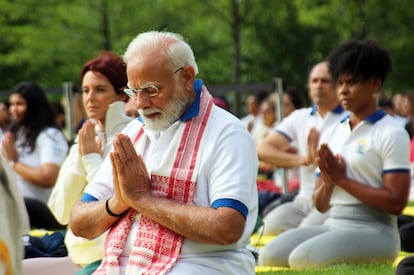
x,y
390,22
234,40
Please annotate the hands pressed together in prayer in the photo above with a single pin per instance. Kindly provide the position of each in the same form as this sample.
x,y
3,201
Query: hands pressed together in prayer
x,y
312,141
9,150
87,142
333,172
131,179
332,168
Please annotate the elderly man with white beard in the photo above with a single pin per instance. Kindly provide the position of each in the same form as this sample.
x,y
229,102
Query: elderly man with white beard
x,y
178,191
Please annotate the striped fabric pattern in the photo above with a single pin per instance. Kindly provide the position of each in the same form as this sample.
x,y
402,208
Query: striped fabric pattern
x,y
156,248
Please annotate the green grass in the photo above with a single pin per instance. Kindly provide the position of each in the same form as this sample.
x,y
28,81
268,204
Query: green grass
x,y
343,269
370,269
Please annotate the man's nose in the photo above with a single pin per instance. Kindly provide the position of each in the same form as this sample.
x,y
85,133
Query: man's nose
x,y
142,101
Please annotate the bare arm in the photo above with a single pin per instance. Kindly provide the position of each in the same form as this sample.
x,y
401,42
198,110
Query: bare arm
x,y
325,184
322,195
391,198
274,150
44,176
89,219
202,224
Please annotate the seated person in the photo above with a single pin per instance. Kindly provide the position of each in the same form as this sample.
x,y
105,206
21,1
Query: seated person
x,y
360,160
178,192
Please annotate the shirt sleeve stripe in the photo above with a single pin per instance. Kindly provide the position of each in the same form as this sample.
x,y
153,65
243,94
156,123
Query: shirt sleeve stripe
x,y
234,204
396,171
285,135
88,198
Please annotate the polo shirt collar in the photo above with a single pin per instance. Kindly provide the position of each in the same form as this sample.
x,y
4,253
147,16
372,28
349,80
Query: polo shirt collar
x,y
376,116
337,110
194,108
373,118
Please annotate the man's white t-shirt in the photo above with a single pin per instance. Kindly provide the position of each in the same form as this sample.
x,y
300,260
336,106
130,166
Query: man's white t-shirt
x,y
227,172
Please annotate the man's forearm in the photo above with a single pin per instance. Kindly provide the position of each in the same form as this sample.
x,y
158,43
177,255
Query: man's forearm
x,y
280,158
202,224
90,219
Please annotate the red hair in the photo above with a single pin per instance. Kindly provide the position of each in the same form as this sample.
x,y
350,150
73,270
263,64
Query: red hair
x,y
110,65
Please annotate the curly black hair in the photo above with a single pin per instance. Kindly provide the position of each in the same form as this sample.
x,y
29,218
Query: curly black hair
x,y
361,58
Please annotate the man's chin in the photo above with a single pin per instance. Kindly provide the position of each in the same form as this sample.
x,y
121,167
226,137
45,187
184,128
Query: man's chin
x,y
155,124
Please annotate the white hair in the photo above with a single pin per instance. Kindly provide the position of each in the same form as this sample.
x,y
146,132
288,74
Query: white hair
x,y
171,45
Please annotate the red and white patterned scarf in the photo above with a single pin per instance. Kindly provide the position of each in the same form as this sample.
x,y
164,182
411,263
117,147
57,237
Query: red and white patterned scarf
x,y
156,248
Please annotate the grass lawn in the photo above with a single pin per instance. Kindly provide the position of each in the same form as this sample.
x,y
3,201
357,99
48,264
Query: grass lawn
x,y
371,269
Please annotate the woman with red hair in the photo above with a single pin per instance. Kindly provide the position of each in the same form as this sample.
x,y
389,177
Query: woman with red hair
x,y
103,80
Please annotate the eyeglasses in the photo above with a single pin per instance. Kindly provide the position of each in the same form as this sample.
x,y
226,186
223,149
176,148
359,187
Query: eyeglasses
x,y
150,89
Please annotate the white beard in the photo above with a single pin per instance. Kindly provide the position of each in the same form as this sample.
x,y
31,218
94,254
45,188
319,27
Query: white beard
x,y
169,115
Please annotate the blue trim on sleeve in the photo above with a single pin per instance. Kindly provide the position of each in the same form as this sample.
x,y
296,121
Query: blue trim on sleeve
x,y
285,135
318,174
88,198
405,171
230,203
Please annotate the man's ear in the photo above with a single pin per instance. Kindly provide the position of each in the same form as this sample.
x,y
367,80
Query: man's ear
x,y
123,97
188,74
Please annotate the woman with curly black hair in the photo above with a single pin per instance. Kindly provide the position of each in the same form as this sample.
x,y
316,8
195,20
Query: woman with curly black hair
x,y
363,173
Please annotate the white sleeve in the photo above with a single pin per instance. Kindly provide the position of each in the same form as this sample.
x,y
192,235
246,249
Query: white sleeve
x,y
101,186
394,149
52,145
288,127
69,186
234,165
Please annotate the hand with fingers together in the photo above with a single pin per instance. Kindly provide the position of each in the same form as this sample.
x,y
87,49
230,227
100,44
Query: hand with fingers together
x,y
9,149
131,179
87,142
332,168
312,145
